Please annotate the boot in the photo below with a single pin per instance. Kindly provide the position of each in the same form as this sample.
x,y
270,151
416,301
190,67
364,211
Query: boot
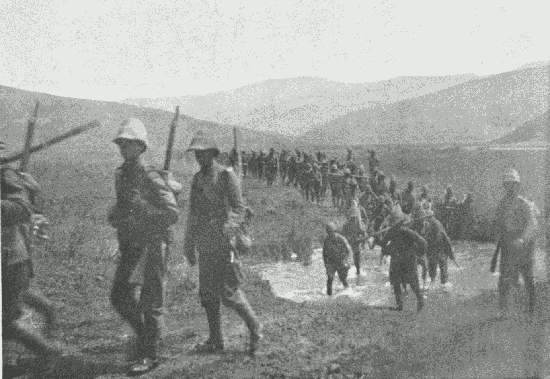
x,y
244,310
398,298
329,286
214,343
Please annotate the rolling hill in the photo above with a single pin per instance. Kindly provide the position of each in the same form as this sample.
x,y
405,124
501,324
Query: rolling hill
x,y
536,131
60,114
479,110
293,106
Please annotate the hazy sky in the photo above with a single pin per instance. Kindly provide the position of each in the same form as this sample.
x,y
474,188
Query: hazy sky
x,y
116,49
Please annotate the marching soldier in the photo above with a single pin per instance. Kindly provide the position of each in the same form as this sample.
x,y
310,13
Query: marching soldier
x,y
406,248
144,211
336,254
393,190
244,160
354,231
425,195
407,198
439,243
18,190
466,218
216,212
349,189
514,231
449,209
335,186
374,163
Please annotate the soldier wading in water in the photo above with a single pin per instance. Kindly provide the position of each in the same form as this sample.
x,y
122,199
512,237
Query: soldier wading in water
x,y
215,212
144,211
406,247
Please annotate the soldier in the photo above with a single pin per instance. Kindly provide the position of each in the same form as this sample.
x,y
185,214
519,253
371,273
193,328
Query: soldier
x,y
393,190
261,165
244,161
514,229
405,249
439,243
381,187
271,167
466,218
292,170
354,231
374,163
336,254
316,179
449,209
216,212
408,199
349,190
17,191
145,210
424,195
324,179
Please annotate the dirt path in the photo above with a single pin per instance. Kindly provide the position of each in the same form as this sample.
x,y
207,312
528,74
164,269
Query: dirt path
x,y
455,336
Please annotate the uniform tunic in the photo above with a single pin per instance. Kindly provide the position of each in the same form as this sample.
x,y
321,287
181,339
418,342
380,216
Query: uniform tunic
x,y
336,254
515,222
144,211
214,192
406,247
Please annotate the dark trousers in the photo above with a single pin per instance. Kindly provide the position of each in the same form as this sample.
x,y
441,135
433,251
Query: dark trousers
x,y
235,300
441,261
15,293
146,315
401,275
515,260
316,192
342,271
356,247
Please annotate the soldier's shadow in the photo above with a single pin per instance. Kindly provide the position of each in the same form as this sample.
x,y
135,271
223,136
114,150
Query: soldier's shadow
x,y
71,366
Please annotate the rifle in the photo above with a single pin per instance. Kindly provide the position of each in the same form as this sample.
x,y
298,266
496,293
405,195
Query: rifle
x,y
51,142
31,123
171,137
495,258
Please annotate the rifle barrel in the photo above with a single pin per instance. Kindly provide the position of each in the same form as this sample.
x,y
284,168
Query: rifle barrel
x,y
53,141
28,139
171,138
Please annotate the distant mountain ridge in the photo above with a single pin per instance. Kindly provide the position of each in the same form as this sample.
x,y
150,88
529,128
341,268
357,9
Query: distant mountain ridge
x,y
533,132
293,106
479,110
57,115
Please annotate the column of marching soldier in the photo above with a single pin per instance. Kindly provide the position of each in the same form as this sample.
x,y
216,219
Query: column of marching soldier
x,y
146,210
416,230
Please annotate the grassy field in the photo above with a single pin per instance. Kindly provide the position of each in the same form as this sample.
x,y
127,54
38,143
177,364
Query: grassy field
x,y
75,270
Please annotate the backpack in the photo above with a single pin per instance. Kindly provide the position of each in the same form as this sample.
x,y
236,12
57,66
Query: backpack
x,y
174,186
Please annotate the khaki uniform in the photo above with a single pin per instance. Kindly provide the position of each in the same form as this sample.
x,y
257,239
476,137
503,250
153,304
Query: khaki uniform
x,y
142,234
515,227
336,255
17,271
215,196
407,247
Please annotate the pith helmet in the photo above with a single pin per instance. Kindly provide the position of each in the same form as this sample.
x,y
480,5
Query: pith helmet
x,y
511,176
200,142
396,216
132,129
